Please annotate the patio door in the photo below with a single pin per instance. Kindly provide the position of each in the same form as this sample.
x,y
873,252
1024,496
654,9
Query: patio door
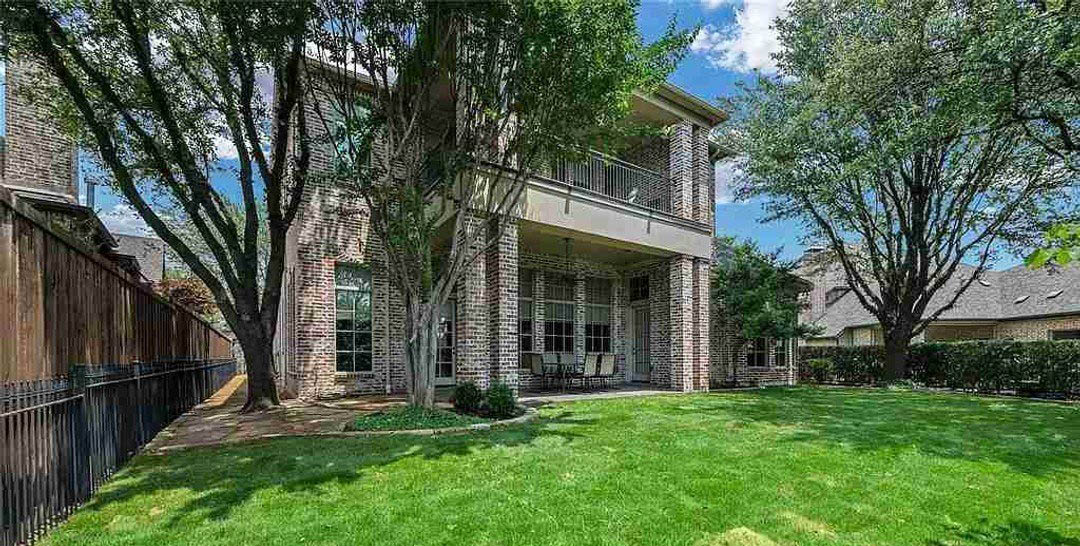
x,y
444,349
640,366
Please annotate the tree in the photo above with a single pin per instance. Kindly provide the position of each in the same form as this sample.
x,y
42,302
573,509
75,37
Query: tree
x,y
189,292
153,89
438,113
870,139
759,292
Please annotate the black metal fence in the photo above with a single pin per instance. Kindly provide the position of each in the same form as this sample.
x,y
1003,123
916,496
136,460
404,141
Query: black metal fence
x,y
61,438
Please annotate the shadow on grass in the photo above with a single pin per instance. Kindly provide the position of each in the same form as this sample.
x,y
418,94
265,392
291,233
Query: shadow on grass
x,y
225,477
1037,438
1012,533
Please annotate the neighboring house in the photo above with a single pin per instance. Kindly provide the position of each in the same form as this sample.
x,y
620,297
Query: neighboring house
x,y
762,361
1017,303
609,257
39,166
148,253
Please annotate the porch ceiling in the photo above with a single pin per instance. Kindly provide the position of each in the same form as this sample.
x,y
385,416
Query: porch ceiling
x,y
544,239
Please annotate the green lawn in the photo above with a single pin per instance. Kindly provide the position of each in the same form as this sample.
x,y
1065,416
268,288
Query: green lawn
x,y
783,466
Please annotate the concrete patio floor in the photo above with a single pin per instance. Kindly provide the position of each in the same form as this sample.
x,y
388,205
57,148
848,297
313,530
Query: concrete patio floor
x,y
218,420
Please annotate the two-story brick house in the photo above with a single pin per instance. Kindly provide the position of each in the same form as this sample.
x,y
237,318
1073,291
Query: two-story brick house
x,y
611,256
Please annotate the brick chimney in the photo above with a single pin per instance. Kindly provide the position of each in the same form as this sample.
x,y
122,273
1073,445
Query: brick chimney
x,y
37,160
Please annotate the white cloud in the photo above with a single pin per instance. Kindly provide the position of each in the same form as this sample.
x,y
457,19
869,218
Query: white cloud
x,y
726,172
122,218
224,148
747,44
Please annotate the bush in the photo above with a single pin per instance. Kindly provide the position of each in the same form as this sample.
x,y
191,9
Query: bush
x,y
467,397
1022,367
500,401
820,368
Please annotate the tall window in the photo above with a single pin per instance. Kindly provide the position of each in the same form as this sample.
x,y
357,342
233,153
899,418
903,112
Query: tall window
x,y
352,291
559,315
782,349
598,316
639,288
758,353
526,335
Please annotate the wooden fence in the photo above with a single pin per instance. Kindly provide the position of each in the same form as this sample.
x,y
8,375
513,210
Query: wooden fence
x,y
61,438
63,304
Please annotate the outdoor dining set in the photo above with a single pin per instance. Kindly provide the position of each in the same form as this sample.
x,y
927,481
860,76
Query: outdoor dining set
x,y
564,369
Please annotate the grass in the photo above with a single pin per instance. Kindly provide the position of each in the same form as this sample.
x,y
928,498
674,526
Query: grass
x,y
776,466
413,418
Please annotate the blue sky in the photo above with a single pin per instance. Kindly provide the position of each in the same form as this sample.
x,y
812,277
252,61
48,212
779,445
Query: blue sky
x,y
735,39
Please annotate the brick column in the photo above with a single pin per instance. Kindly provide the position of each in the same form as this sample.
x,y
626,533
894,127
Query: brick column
x,y
502,297
681,169
702,310
619,317
471,358
681,322
704,182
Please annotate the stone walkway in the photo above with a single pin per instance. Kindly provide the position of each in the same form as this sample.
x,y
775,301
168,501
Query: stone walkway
x,y
219,421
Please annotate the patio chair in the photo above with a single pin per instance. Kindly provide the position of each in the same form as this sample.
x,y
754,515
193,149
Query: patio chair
x,y
592,368
550,365
536,366
607,368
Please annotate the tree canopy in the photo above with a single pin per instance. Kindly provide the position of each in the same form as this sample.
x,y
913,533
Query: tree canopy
x,y
871,137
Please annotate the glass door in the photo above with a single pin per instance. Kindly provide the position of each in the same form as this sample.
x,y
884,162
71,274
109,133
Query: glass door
x,y
444,350
641,364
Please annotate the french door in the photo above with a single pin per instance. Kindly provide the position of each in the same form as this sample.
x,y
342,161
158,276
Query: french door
x,y
444,350
640,363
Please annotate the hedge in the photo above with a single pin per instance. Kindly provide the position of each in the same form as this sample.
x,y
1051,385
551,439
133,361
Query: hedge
x,y
1017,367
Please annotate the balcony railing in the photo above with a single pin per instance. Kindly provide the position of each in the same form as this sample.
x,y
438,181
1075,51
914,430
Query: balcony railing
x,y
617,179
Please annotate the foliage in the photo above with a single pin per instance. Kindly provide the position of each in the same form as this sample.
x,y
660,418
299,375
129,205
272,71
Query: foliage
x,y
467,397
499,401
189,292
413,418
438,112
1062,247
785,465
154,90
870,139
1025,367
819,368
759,292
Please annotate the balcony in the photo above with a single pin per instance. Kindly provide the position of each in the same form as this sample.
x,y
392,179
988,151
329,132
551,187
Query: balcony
x,y
616,179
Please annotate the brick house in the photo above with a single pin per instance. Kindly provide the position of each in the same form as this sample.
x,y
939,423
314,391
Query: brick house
x,y
611,256
1017,303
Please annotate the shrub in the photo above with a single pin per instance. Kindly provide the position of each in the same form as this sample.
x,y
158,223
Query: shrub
x,y
500,401
820,368
467,397
1024,367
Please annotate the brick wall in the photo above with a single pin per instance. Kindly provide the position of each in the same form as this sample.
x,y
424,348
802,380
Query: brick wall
x,y
37,157
1035,329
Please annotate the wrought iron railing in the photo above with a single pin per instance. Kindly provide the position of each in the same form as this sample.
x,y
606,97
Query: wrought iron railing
x,y
61,438
616,179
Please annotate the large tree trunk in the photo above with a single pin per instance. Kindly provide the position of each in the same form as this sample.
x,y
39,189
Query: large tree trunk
x,y
420,344
259,361
897,340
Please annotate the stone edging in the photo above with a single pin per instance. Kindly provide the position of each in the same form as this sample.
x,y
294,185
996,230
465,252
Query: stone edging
x,y
529,416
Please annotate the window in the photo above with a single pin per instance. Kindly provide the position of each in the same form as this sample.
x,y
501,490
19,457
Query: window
x,y
559,315
526,335
352,295
598,316
757,354
1062,335
639,288
782,348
